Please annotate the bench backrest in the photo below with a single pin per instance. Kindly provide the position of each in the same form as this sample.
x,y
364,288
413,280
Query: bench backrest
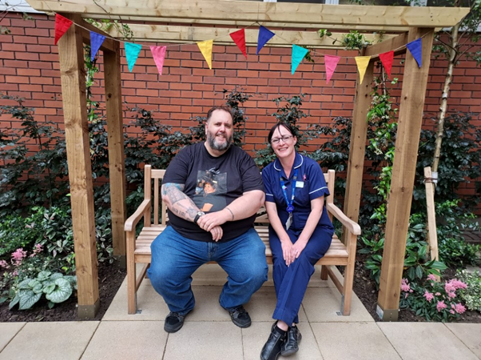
x,y
156,176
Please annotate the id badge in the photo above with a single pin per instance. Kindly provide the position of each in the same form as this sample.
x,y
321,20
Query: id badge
x,y
289,222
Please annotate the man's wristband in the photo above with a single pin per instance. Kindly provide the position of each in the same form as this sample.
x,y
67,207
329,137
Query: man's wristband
x,y
197,216
231,213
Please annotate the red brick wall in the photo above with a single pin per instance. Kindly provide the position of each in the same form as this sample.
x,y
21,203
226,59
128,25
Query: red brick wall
x,y
29,68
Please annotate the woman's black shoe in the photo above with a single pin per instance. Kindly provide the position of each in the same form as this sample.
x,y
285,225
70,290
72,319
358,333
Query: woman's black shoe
x,y
272,348
291,346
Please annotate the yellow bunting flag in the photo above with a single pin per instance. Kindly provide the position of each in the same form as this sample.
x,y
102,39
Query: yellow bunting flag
x,y
362,63
206,50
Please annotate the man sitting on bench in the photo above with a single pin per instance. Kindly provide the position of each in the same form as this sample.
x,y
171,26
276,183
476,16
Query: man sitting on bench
x,y
213,191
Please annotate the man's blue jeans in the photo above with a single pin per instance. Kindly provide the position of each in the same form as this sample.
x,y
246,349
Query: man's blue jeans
x,y
175,258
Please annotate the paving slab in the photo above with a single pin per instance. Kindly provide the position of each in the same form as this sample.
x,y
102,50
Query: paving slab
x,y
426,340
8,332
324,304
205,341
127,340
50,341
355,340
257,334
469,334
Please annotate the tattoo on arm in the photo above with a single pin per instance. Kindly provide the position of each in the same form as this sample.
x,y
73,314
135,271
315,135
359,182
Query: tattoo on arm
x,y
178,202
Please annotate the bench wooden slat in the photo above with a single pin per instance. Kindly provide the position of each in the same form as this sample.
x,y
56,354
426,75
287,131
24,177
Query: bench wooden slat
x,y
138,249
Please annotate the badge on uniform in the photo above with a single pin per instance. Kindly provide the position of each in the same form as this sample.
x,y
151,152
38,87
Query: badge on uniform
x,y
299,184
289,221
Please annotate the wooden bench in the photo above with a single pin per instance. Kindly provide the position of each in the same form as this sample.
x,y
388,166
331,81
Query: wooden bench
x,y
138,247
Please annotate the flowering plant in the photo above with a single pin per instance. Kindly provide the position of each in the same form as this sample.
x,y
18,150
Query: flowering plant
x,y
433,300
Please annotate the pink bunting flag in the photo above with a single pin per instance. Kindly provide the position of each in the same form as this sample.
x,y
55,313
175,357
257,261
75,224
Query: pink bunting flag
x,y
61,26
159,55
387,60
239,38
330,61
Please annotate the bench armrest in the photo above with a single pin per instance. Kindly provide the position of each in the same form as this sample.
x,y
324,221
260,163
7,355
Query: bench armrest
x,y
352,226
132,221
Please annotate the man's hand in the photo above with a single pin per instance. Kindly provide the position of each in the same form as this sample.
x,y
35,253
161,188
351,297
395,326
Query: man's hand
x,y
217,233
209,221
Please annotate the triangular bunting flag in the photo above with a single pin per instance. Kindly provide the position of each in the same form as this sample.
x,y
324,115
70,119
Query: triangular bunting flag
x,y
264,36
362,63
239,38
159,55
387,59
61,26
415,48
298,54
206,50
96,41
330,62
132,53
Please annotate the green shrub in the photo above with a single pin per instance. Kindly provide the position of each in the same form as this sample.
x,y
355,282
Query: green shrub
x,y
472,294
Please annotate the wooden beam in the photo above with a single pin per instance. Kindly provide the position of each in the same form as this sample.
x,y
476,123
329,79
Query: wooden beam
x,y
355,167
72,72
431,210
190,34
397,44
400,196
263,12
115,130
245,24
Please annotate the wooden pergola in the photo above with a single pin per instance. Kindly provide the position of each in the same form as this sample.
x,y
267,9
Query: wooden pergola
x,y
185,21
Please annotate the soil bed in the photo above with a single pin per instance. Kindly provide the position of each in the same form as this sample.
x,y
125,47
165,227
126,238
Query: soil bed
x,y
110,279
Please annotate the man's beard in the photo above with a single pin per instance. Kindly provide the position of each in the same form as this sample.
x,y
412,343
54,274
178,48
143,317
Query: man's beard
x,y
216,146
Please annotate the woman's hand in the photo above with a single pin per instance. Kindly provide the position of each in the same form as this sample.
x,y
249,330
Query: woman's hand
x,y
287,251
298,247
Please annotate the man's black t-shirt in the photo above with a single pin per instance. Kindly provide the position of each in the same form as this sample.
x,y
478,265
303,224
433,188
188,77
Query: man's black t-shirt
x,y
213,183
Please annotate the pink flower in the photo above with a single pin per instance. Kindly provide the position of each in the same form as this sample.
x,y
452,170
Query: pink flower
x,y
458,284
18,256
429,296
441,306
405,285
38,249
4,264
451,311
448,287
437,294
460,308
451,295
431,277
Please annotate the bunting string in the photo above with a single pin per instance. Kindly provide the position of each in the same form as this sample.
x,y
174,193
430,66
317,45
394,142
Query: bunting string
x,y
159,53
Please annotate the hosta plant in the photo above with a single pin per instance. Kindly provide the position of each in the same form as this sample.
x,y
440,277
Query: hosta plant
x,y
55,287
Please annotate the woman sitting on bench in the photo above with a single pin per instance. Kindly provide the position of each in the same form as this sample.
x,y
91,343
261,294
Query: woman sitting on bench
x,y
300,233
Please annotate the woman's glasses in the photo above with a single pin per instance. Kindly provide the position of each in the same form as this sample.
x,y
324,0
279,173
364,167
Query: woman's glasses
x,y
283,138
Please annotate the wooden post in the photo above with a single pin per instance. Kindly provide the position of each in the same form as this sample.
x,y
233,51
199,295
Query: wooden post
x,y
404,167
431,209
113,99
70,48
355,167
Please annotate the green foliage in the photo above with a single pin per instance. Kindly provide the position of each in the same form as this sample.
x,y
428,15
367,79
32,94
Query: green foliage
x,y
472,294
433,300
55,287
352,41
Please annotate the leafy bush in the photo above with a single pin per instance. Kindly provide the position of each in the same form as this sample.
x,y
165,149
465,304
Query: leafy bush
x,y
55,287
433,300
472,294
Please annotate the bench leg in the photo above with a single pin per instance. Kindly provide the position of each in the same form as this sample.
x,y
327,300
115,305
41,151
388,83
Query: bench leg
x,y
131,274
324,272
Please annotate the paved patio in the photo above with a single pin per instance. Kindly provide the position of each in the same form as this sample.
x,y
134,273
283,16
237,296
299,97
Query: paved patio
x,y
209,334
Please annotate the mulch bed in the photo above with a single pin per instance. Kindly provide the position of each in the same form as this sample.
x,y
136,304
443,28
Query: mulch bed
x,y
110,279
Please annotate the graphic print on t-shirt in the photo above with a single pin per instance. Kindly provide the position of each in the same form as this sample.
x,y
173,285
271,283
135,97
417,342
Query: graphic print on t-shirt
x,y
209,192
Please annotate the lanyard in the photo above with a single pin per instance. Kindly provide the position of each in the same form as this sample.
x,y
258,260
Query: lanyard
x,y
290,206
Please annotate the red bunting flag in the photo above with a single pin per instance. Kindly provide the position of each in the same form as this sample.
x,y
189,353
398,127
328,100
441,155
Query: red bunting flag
x,y
330,62
61,26
387,60
239,38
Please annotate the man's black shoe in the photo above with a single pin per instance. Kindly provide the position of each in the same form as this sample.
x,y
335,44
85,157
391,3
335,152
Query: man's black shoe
x,y
272,348
240,317
291,346
174,322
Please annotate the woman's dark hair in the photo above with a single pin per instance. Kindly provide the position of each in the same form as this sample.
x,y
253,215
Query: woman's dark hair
x,y
287,126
